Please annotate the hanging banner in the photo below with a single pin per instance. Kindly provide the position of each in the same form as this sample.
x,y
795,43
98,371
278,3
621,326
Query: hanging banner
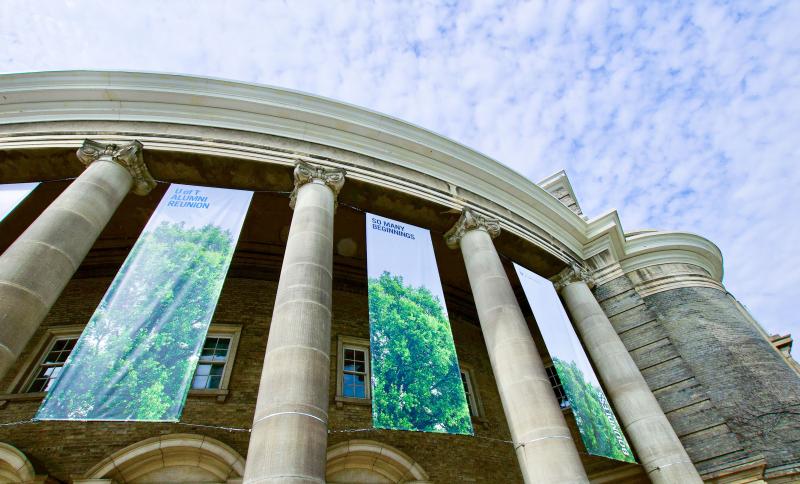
x,y
13,193
416,380
137,356
600,431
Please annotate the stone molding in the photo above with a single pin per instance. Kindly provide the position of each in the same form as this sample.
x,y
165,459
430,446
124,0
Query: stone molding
x,y
376,457
573,273
173,450
332,178
129,156
667,276
471,220
17,466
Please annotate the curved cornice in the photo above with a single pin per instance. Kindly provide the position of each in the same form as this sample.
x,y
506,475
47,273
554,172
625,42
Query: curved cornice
x,y
194,101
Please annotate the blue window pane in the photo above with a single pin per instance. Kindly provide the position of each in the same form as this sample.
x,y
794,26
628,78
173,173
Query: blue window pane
x,y
199,382
214,382
49,384
360,392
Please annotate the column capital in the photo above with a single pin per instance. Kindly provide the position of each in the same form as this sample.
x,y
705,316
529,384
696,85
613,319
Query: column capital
x,y
573,273
471,220
304,173
129,156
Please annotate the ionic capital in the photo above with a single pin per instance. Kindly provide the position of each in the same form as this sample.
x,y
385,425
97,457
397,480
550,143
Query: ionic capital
x,y
573,273
128,156
304,173
471,220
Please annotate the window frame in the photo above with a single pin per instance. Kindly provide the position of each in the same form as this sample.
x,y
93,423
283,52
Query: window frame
x,y
27,370
33,374
360,344
547,369
469,372
232,332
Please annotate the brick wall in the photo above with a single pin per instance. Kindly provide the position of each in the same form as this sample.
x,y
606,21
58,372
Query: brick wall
x,y
68,449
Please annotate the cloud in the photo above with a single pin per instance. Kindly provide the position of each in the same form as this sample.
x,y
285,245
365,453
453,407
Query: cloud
x,y
682,116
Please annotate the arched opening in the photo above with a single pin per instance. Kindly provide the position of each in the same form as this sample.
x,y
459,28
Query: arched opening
x,y
370,462
14,466
172,458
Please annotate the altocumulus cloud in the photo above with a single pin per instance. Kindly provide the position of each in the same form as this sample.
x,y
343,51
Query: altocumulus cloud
x,y
682,116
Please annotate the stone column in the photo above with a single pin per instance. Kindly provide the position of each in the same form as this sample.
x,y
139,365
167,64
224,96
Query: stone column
x,y
288,442
658,447
545,448
37,266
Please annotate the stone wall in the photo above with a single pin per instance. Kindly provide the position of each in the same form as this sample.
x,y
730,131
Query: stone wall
x,y
746,380
686,401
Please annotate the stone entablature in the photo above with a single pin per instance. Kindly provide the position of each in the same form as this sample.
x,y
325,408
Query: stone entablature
x,y
197,115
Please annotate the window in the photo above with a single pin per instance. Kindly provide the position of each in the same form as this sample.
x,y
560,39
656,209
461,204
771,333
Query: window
x,y
43,363
558,388
470,393
353,377
215,363
354,374
211,365
51,364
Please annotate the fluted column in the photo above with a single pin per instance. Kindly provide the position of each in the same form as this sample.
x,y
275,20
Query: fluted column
x,y
290,429
658,447
37,266
545,449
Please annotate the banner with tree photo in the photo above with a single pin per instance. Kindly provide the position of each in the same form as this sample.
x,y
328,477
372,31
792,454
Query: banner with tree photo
x,y
137,356
600,431
416,380
11,194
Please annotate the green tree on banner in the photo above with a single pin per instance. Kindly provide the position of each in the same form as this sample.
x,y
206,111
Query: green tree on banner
x,y
416,383
599,429
138,353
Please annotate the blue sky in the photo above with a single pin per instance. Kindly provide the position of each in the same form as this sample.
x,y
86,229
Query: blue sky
x,y
682,116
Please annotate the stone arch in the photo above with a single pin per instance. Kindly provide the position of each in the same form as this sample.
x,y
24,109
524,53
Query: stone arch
x,y
14,465
172,458
367,461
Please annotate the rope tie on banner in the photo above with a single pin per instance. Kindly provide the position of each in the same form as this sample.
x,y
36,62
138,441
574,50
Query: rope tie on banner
x,y
229,429
20,422
523,444
682,461
516,445
290,413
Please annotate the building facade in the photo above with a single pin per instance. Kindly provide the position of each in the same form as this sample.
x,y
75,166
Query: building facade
x,y
698,386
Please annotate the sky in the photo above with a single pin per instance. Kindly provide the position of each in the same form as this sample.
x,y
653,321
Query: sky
x,y
682,116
